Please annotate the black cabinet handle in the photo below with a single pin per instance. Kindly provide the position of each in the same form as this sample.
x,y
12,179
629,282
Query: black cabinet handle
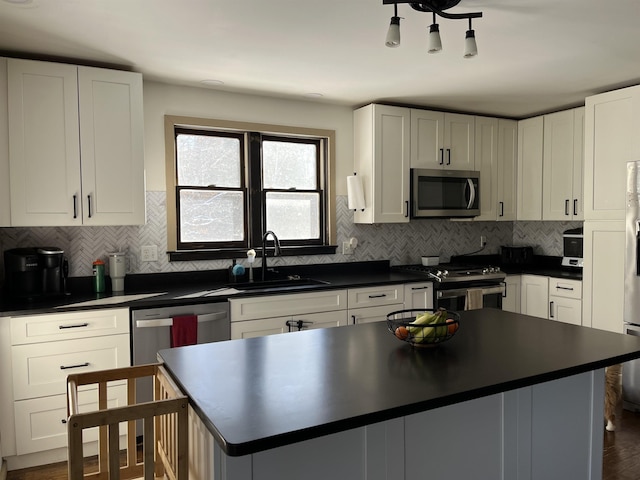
x,y
550,309
77,325
89,205
442,156
501,209
382,295
575,206
448,156
67,367
353,317
75,206
406,208
566,207
419,288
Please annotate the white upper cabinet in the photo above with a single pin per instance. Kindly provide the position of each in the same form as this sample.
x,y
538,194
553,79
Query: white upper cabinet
x,y
530,137
612,122
5,195
75,145
381,159
495,158
442,140
507,169
563,165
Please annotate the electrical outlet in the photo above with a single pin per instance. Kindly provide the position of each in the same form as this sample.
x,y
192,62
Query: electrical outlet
x,y
483,240
347,249
149,253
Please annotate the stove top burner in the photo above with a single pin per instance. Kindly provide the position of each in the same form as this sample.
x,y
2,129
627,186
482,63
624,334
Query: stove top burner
x,y
445,273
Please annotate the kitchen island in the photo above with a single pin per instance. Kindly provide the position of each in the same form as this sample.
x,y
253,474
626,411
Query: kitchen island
x,y
510,396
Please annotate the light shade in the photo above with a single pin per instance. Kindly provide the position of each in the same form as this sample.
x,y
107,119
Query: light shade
x,y
470,47
434,42
355,193
393,35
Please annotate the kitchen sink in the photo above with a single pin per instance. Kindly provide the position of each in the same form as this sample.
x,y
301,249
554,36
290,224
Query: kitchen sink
x,y
285,283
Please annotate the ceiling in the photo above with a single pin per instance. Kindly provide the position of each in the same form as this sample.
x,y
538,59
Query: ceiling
x,y
535,56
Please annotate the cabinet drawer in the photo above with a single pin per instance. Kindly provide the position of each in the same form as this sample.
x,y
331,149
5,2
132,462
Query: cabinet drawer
x,y
63,326
41,369
287,305
39,421
372,296
559,287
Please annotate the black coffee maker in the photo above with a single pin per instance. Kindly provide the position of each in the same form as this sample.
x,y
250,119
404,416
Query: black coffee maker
x,y
36,272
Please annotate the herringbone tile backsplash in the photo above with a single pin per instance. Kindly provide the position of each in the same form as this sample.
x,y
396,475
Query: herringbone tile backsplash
x,y
400,243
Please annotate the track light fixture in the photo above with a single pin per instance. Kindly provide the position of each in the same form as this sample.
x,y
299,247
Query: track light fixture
x,y
436,7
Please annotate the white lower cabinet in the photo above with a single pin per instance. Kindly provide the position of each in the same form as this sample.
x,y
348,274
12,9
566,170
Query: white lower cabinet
x,y
43,350
358,316
534,296
43,420
418,295
272,314
565,300
511,297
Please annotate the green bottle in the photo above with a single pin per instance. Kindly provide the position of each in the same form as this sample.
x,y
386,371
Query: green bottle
x,y
98,276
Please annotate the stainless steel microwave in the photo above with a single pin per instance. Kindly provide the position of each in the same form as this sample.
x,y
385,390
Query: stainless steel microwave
x,y
444,193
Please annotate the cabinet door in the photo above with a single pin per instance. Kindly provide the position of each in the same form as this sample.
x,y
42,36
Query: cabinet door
x,y
530,136
381,148
534,296
511,298
558,158
359,316
44,144
260,327
507,161
5,191
577,209
418,295
459,141
427,137
486,161
42,420
603,276
112,150
321,320
611,124
567,310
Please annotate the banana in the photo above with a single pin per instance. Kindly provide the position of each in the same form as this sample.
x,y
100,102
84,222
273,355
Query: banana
x,y
421,334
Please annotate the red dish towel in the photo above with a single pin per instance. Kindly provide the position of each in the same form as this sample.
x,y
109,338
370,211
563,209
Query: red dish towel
x,y
184,331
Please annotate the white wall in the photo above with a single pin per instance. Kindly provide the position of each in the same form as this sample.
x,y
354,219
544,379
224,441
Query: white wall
x,y
163,99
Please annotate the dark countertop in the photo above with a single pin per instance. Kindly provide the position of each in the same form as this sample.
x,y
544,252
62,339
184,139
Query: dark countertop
x,y
171,286
545,265
260,393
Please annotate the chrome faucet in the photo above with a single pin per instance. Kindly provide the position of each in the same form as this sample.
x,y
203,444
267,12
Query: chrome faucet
x,y
276,250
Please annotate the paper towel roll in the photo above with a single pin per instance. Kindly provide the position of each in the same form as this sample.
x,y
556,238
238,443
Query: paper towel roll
x,y
355,193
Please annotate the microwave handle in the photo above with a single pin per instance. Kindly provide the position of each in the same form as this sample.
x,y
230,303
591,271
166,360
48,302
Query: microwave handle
x,y
472,193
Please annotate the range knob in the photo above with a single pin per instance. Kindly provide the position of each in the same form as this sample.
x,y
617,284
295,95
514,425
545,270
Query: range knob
x,y
445,273
485,271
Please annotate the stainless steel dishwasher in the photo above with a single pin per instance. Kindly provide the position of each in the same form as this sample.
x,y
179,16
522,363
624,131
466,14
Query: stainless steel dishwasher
x,y
151,332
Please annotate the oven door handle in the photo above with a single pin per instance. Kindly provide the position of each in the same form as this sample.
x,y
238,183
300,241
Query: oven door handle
x,y
168,322
461,292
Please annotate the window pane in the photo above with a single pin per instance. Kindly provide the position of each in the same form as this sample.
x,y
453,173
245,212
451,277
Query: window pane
x,y
204,160
294,216
288,165
211,216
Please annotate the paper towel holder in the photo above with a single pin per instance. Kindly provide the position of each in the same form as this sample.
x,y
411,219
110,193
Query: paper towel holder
x,y
355,193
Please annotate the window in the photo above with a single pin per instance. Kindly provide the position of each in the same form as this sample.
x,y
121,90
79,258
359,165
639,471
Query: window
x,y
229,186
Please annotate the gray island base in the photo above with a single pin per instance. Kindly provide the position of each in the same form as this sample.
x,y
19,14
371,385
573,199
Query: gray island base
x,y
509,397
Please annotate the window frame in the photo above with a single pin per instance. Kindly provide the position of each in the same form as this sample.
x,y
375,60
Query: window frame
x,y
326,183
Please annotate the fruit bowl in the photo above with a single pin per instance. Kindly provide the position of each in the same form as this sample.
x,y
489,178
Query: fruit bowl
x,y
423,328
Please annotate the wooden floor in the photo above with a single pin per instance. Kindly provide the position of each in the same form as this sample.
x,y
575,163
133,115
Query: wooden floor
x,y
621,455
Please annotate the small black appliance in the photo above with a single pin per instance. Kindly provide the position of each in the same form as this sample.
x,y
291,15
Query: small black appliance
x,y
35,272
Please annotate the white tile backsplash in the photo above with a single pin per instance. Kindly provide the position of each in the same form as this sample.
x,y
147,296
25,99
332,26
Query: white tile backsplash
x,y
400,243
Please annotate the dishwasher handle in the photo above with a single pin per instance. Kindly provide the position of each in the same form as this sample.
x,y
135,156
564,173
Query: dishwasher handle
x,y
168,322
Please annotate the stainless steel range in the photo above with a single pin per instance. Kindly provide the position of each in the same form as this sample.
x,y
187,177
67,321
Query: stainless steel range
x,y
463,287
